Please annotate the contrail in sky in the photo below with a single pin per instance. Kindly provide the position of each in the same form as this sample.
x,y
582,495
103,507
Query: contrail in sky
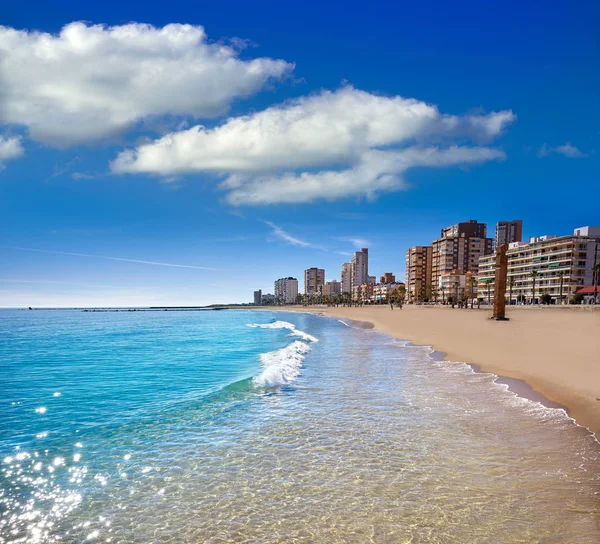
x,y
109,258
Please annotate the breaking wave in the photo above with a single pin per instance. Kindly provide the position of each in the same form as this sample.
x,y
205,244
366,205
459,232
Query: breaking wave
x,y
281,367
285,325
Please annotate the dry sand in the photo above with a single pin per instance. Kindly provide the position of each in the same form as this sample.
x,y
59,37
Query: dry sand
x,y
554,350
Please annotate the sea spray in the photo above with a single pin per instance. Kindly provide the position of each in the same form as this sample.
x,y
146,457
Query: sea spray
x,y
285,325
282,366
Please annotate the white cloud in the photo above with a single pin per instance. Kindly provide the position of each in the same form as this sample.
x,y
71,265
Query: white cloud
x,y
377,172
327,128
77,176
330,145
566,150
93,82
122,259
356,242
286,237
10,148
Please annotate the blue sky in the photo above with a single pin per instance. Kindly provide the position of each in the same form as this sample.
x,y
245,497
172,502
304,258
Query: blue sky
x,y
279,137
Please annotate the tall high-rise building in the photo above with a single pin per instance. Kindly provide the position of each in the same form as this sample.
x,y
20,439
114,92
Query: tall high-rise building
x,y
468,229
508,232
459,249
313,279
418,272
346,277
258,298
360,267
286,290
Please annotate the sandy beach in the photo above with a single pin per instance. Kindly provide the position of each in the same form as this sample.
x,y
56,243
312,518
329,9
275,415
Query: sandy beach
x,y
556,351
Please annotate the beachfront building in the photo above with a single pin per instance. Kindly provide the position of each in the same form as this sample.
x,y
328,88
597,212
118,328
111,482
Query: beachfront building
x,y
258,298
360,267
383,291
267,299
387,277
590,294
286,290
456,285
346,278
314,280
332,289
418,272
508,232
539,267
459,248
363,293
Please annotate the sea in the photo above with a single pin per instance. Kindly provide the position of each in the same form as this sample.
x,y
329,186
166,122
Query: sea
x,y
271,427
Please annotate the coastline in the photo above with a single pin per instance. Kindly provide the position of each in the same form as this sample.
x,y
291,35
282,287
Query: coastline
x,y
554,351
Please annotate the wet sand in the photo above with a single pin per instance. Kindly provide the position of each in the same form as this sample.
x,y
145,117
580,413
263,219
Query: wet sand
x,y
555,351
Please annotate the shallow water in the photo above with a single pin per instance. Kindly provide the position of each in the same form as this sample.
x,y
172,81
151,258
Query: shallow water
x,y
176,427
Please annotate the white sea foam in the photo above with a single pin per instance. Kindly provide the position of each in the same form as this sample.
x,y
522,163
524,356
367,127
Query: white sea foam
x,y
282,366
285,325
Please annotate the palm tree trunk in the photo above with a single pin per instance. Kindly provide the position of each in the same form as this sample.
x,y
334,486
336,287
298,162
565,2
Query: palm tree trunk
x,y
561,291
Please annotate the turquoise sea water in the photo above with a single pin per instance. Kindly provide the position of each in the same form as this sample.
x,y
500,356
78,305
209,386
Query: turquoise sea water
x,y
242,426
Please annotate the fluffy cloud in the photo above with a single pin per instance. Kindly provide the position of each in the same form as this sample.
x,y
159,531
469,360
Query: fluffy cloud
x,y
89,83
328,128
10,148
377,172
566,150
330,145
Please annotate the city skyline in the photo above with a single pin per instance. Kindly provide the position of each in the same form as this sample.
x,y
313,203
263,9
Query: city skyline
x,y
463,258
373,142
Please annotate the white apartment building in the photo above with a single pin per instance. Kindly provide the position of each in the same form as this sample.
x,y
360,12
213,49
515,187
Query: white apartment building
x,y
552,258
456,285
382,291
286,290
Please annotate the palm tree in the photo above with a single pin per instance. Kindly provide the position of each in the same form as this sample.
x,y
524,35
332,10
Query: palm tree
x,y
443,290
455,298
533,275
472,282
511,284
561,276
433,292
402,294
488,282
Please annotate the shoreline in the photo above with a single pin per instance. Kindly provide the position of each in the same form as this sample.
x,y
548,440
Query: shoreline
x,y
516,385
548,355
